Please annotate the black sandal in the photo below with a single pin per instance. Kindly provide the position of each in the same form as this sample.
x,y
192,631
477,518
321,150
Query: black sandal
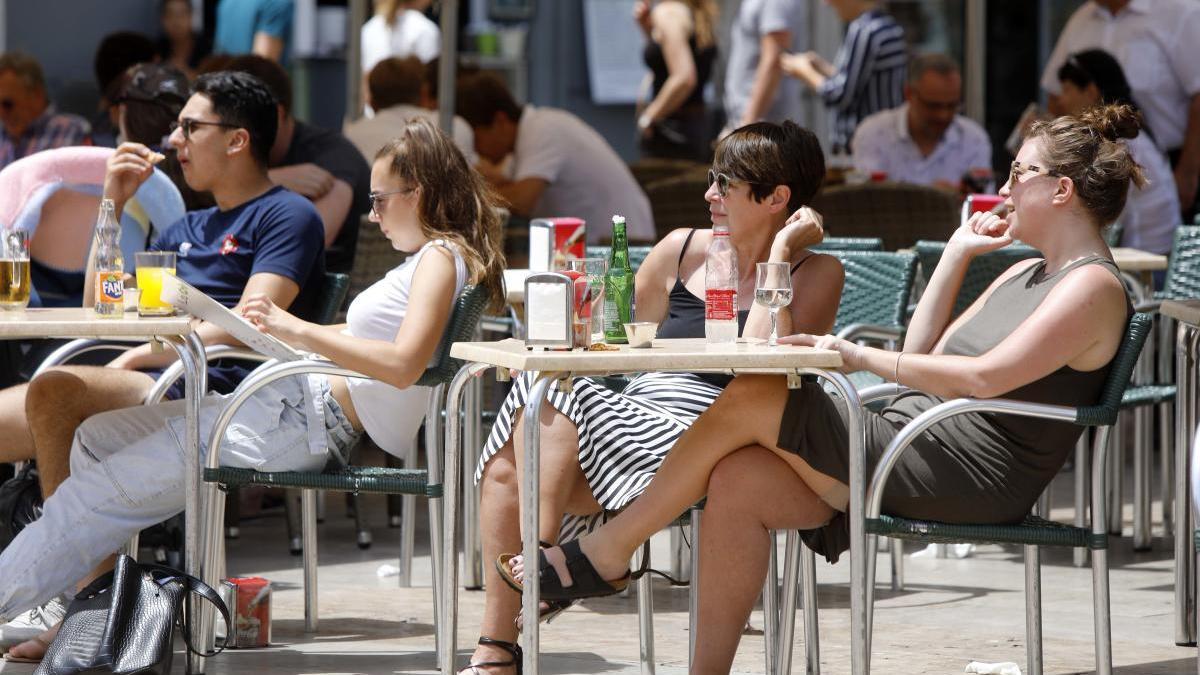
x,y
512,648
587,581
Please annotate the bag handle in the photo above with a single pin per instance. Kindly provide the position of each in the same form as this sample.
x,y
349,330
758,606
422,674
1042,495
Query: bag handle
x,y
193,585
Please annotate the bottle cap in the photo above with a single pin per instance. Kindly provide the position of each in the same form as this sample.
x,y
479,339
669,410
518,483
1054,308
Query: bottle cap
x,y
618,219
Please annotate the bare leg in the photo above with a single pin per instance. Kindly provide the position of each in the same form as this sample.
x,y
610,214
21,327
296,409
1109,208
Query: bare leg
x,y
563,490
747,413
60,399
14,427
734,544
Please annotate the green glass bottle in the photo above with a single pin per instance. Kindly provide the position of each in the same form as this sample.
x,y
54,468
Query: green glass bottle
x,y
618,286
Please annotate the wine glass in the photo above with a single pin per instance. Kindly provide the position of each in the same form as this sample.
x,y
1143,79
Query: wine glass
x,y
773,290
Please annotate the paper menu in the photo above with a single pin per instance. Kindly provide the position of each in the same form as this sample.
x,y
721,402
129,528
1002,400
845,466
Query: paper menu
x,y
192,300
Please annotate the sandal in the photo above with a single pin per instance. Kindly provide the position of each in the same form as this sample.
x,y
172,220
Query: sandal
x,y
587,581
511,647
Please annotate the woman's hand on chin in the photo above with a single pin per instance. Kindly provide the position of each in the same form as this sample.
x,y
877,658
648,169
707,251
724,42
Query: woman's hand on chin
x,y
803,228
983,232
851,352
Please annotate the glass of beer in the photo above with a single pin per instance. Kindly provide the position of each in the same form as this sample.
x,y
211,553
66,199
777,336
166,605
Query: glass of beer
x,y
14,270
151,266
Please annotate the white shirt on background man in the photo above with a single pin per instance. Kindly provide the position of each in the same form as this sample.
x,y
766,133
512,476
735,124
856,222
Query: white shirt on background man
x,y
1151,213
369,134
882,142
1155,41
585,177
412,34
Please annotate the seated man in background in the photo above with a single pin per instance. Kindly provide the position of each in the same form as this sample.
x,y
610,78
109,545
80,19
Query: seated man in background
x,y
28,122
259,239
560,165
925,140
317,163
397,91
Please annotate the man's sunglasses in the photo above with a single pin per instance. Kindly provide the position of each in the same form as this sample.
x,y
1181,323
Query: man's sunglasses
x,y
189,125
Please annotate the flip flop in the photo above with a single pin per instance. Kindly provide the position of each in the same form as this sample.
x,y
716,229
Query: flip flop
x,y
8,656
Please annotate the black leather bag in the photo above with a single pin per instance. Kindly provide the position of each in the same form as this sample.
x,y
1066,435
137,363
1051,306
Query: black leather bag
x,y
124,622
20,503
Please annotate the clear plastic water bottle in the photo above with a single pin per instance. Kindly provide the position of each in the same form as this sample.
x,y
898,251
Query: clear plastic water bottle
x,y
720,289
109,263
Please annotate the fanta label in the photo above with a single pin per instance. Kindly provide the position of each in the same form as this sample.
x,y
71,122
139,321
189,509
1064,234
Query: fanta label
x,y
720,304
109,287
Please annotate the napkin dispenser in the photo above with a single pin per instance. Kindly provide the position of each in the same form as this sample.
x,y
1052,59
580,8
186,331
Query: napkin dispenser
x,y
554,241
549,297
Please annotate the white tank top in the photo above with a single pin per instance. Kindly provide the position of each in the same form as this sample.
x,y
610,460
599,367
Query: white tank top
x,y
390,415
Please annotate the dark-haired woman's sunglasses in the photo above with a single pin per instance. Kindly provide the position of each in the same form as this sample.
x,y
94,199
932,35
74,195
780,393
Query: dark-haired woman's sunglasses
x,y
722,182
189,125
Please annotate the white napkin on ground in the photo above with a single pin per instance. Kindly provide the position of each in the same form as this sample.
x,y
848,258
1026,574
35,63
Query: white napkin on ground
x,y
1005,668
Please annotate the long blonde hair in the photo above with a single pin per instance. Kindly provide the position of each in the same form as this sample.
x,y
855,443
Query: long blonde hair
x,y
455,203
704,21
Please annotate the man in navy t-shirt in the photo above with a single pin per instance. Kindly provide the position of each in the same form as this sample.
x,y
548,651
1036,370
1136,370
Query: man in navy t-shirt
x,y
259,239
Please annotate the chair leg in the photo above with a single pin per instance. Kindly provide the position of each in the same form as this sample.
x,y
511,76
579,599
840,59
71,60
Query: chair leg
x,y
645,603
869,619
1143,428
472,441
897,554
1082,489
1166,484
785,619
408,524
434,436
308,527
770,608
1033,601
812,642
1116,478
1100,600
694,589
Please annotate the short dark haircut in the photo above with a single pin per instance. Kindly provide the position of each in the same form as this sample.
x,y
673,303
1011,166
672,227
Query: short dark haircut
x,y
396,81
116,53
243,100
1098,67
479,97
270,73
935,62
25,67
765,154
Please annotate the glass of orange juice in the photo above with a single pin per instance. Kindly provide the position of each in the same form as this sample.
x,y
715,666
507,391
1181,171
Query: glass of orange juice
x,y
151,266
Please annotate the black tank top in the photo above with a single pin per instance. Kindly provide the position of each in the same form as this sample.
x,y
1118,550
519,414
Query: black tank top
x,y
703,58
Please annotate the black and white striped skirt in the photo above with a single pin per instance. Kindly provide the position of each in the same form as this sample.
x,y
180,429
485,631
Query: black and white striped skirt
x,y
623,437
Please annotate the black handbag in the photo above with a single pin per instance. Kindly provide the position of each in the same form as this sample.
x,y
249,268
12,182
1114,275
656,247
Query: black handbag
x,y
20,503
124,622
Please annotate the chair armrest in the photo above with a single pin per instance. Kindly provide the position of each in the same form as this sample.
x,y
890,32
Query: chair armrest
x,y
173,372
261,377
943,411
1147,306
81,346
878,391
860,331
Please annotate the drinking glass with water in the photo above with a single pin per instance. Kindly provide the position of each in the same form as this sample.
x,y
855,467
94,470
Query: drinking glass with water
x,y
14,271
773,290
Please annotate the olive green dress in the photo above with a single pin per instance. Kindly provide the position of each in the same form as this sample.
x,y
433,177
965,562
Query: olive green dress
x,y
972,468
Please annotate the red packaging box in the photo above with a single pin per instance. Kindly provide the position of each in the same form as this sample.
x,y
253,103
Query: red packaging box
x,y
554,241
249,601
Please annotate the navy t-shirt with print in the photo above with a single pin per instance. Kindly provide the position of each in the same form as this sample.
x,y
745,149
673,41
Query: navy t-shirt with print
x,y
277,232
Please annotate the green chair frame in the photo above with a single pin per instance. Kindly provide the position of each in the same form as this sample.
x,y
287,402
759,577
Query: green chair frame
x,y
982,271
830,244
426,483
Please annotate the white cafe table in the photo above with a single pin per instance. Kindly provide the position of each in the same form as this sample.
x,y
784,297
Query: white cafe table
x,y
683,355
176,331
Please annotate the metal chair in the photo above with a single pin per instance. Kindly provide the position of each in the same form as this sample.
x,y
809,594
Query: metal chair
x,y
982,271
355,479
1031,533
849,244
677,202
899,213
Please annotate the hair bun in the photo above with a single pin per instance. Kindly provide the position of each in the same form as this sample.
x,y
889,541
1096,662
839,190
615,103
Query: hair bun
x,y
1113,121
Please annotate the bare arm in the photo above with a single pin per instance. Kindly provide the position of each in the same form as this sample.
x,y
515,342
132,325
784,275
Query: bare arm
x,y
657,275
1079,325
766,75
819,281
400,362
671,27
334,207
280,289
267,46
522,195
1187,172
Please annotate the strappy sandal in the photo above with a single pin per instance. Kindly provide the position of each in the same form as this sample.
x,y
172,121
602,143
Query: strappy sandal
x,y
587,582
551,608
512,648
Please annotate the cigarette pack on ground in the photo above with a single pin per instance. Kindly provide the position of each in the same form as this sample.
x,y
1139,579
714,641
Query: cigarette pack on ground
x,y
554,241
249,602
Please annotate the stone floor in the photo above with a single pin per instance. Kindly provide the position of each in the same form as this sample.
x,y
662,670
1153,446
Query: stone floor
x,y
951,612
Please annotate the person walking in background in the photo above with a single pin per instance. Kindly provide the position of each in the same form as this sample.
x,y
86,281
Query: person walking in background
x,y
1155,44
259,27
680,51
1091,78
755,89
179,45
399,28
868,73
925,140
29,123
560,165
